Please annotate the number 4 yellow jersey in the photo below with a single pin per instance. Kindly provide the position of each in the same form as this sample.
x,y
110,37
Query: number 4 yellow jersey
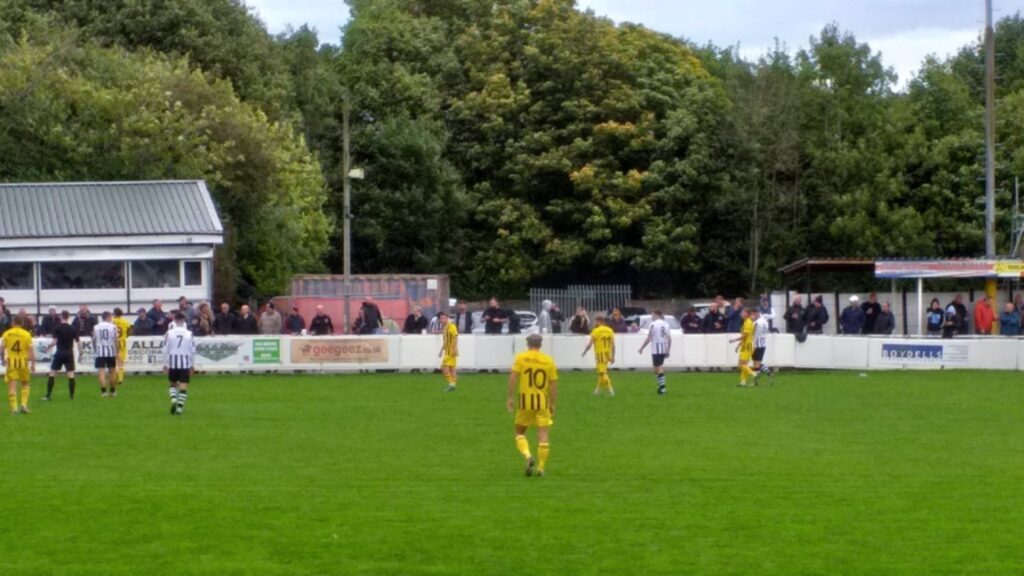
x,y
536,372
17,344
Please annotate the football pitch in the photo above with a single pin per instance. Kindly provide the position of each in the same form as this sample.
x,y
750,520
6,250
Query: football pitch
x,y
823,473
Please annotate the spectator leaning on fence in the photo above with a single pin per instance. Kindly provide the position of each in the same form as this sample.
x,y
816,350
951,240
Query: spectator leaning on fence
x,y
157,315
463,319
961,314
245,323
935,318
817,317
494,317
49,322
617,322
295,323
224,322
544,318
143,325
951,322
415,323
1009,320
796,316
984,317
766,312
885,323
5,317
871,310
321,324
691,322
84,322
270,321
557,319
851,321
202,321
714,320
373,320
580,323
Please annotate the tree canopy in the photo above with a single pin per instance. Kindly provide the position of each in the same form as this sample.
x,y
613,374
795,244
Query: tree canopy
x,y
514,143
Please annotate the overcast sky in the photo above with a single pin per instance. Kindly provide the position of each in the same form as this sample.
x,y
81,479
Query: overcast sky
x,y
905,31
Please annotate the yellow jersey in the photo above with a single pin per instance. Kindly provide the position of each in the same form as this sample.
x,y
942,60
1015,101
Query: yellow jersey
x,y
17,345
451,340
536,372
604,340
124,328
747,334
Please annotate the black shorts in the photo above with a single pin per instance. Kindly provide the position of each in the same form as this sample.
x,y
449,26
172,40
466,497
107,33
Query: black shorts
x,y
179,375
63,362
108,362
758,354
658,360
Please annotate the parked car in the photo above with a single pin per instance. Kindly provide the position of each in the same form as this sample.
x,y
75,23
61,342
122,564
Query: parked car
x,y
673,325
527,322
703,307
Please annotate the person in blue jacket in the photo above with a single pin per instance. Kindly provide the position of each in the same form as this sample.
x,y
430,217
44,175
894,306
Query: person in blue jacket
x,y
851,321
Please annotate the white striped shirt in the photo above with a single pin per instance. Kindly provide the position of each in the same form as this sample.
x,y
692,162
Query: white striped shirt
x,y
661,338
761,330
179,348
104,340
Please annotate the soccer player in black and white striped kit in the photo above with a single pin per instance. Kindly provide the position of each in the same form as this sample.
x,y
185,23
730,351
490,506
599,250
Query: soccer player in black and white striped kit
x,y
104,348
179,358
660,339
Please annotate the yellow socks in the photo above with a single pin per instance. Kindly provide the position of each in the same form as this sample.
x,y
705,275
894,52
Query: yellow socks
x,y
542,455
12,400
523,446
745,372
24,395
120,377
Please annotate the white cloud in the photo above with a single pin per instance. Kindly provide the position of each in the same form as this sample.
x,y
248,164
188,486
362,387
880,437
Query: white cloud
x,y
905,51
326,16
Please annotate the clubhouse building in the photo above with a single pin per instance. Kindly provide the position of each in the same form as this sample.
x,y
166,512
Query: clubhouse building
x,y
106,244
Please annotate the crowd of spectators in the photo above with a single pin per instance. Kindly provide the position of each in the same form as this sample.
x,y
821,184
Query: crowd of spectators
x,y
870,317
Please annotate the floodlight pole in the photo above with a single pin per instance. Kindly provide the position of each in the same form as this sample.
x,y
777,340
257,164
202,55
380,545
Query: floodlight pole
x,y
990,134
991,285
346,206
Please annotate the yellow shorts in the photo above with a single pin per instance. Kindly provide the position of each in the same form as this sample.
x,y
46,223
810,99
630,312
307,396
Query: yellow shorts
x,y
745,356
17,374
449,361
538,418
122,354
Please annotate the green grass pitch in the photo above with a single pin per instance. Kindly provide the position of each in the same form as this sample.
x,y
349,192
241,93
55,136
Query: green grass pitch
x,y
825,473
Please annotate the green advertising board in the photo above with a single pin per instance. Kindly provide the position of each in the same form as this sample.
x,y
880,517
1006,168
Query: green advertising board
x,y
266,351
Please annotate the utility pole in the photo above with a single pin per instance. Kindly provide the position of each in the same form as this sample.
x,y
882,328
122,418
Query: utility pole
x,y
990,134
991,284
346,201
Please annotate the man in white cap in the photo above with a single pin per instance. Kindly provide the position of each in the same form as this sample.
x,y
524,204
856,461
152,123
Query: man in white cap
x,y
851,321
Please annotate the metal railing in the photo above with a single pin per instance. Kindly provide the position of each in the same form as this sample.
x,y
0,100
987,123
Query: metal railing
x,y
595,298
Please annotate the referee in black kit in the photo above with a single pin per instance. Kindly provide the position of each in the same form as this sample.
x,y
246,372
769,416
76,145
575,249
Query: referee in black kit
x,y
64,338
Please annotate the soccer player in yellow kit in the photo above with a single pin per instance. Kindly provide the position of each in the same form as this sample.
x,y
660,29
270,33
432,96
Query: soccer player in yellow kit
x,y
602,339
124,328
18,355
449,353
532,391
745,347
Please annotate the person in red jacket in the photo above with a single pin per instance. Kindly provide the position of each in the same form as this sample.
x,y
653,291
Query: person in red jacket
x,y
983,317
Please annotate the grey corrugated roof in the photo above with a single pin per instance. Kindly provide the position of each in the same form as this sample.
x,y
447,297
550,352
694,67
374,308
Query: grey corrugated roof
x,y
61,210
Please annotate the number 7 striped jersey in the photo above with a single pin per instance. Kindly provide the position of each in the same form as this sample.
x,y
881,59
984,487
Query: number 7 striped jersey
x,y
179,349
536,372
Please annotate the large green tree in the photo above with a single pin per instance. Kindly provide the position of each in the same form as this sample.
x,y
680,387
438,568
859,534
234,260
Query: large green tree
x,y
73,111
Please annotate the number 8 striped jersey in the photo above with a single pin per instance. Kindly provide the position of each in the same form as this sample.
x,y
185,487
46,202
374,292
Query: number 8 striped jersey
x,y
536,372
179,348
